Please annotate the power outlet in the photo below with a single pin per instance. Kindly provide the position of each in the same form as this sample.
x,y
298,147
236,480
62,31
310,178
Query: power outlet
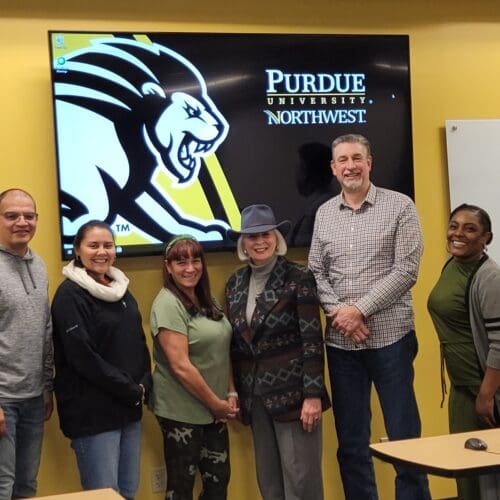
x,y
158,479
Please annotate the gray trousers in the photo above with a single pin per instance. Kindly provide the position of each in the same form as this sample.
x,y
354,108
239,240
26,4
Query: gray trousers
x,y
287,458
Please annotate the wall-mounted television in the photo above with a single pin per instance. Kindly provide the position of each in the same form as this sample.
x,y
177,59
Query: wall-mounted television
x,y
168,133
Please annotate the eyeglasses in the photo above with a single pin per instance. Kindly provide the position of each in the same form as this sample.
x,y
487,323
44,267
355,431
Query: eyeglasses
x,y
15,216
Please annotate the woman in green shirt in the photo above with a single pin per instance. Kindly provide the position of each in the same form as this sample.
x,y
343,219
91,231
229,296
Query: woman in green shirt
x,y
463,305
193,394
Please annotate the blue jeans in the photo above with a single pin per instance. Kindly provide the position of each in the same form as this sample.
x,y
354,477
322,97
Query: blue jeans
x,y
110,459
21,447
352,373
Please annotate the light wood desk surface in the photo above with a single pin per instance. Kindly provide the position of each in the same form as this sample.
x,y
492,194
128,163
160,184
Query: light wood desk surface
x,y
444,455
106,494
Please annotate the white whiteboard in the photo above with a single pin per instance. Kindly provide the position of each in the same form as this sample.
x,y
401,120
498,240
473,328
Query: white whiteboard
x,y
474,169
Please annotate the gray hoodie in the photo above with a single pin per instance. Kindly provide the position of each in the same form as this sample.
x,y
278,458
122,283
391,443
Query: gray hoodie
x,y
484,313
26,355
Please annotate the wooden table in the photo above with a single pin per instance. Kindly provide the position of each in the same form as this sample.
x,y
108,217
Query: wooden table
x,y
106,494
444,455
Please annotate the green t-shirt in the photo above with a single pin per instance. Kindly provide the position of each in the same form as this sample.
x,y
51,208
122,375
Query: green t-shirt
x,y
447,307
208,342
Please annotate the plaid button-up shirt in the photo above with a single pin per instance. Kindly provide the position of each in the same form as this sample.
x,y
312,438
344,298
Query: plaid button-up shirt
x,y
368,257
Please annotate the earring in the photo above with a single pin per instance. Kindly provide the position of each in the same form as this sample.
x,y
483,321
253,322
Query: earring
x,y
277,249
245,252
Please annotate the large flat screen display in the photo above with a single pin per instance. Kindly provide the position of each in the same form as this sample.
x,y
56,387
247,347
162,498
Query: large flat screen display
x,y
168,133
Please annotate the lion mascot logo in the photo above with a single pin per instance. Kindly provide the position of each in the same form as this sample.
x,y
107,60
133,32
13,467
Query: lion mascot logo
x,y
125,112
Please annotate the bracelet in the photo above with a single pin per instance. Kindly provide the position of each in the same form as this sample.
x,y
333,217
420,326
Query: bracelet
x,y
232,394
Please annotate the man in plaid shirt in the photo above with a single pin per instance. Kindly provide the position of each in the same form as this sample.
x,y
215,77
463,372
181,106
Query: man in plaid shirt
x,y
365,254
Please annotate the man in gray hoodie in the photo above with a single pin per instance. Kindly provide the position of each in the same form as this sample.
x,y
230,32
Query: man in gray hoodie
x,y
26,358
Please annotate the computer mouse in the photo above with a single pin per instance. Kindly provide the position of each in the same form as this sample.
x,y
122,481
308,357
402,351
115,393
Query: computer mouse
x,y
475,444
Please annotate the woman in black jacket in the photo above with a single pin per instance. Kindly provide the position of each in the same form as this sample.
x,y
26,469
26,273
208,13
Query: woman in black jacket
x,y
102,364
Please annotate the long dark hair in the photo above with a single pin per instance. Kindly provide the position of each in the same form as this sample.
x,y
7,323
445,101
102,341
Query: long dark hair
x,y
82,231
186,247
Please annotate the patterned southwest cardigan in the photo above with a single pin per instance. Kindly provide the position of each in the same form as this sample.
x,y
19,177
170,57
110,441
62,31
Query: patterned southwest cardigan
x,y
279,357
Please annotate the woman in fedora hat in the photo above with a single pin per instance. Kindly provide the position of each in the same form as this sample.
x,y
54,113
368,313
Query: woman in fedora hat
x,y
277,354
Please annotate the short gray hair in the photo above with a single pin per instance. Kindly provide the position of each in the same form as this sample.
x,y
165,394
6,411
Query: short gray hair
x,y
3,194
352,138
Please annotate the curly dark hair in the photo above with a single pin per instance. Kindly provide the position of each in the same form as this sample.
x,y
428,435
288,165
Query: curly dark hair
x,y
482,215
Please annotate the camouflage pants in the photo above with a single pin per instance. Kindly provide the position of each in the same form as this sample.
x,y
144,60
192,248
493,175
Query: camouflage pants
x,y
188,447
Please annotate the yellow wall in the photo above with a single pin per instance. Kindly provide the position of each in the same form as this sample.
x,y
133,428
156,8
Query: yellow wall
x,y
455,51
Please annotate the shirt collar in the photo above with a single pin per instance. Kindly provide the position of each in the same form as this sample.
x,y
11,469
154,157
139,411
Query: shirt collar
x,y
370,197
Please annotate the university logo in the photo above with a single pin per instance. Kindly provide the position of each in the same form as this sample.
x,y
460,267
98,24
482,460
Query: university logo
x,y
135,124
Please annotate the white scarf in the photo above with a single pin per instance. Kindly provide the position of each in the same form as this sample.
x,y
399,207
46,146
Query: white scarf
x,y
109,293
